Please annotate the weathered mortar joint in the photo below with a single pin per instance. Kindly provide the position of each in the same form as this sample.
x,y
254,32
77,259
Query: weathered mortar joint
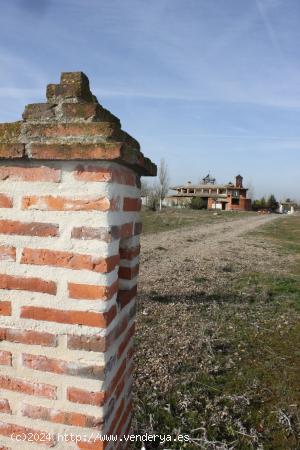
x,y
69,254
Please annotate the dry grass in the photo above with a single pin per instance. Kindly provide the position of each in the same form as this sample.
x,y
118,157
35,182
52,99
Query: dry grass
x,y
172,218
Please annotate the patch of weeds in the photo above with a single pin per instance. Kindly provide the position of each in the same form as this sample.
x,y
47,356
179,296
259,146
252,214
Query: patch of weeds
x,y
200,280
284,232
270,287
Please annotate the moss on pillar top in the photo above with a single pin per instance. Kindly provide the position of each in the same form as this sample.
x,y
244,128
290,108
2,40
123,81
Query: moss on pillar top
x,y
10,132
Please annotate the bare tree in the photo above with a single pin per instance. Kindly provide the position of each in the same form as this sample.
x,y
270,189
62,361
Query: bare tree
x,y
251,191
149,194
145,191
153,198
163,182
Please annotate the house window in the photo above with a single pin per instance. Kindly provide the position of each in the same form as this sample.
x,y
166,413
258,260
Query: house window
x,y
235,201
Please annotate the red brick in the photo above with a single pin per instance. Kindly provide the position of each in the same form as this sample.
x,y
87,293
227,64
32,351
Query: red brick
x,y
5,308
93,343
126,230
36,111
69,260
92,319
18,173
82,110
138,226
7,253
125,296
51,203
101,233
27,284
125,341
5,201
117,377
40,437
28,229
132,204
93,444
79,110
76,151
130,354
124,176
66,90
77,395
97,343
10,151
128,273
105,129
89,111
27,387
63,417
28,337
44,364
105,174
92,292
4,407
5,358
120,328
130,253
94,173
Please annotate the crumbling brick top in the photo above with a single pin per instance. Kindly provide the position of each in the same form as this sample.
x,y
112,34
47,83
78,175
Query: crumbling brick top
x,y
71,125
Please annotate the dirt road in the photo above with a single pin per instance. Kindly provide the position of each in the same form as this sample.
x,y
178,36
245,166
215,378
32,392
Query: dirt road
x,y
172,260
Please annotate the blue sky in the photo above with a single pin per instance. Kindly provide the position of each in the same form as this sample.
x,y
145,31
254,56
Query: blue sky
x,y
209,85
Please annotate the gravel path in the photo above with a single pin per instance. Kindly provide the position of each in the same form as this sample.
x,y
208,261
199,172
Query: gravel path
x,y
171,260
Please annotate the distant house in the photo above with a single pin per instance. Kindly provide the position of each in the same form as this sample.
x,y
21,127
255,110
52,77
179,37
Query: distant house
x,y
226,197
287,207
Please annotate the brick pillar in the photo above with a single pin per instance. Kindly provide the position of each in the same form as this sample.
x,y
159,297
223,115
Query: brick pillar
x,y
69,246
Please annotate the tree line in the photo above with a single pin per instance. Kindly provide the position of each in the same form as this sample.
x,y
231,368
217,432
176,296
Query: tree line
x,y
269,203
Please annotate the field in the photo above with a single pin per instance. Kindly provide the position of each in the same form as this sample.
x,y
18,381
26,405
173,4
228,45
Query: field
x,y
172,218
218,334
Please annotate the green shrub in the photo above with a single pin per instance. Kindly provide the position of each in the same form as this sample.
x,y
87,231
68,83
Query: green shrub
x,y
198,203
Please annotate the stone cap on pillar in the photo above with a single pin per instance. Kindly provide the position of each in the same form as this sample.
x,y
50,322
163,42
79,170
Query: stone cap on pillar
x,y
71,125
